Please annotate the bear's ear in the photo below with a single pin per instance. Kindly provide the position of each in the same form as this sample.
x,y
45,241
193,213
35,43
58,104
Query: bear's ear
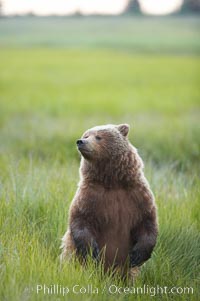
x,y
124,129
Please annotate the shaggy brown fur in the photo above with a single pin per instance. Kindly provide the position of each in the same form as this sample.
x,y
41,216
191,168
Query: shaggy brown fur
x,y
113,209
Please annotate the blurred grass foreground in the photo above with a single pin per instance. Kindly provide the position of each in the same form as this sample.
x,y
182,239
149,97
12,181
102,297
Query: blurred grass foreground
x,y
60,76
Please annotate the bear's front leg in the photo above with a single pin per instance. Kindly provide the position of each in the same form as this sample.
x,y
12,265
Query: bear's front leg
x,y
145,239
84,240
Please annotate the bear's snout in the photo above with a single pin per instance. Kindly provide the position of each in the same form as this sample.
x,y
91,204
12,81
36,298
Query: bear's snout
x,y
79,142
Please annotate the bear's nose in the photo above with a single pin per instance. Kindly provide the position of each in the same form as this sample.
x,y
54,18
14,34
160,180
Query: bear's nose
x,y
79,142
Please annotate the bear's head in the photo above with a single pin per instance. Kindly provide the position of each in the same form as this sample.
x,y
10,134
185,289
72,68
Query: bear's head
x,y
104,142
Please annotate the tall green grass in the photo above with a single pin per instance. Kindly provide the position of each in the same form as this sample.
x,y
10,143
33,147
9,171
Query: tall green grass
x,y
35,198
48,97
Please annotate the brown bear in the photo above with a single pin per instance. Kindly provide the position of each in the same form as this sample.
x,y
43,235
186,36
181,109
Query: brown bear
x,y
113,209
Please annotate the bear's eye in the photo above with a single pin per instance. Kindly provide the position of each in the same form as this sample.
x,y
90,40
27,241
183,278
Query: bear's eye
x,y
98,137
86,136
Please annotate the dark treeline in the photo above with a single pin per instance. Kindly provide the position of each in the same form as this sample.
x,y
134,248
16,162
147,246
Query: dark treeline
x,y
189,6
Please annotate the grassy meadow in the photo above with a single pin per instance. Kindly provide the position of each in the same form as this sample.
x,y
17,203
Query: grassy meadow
x,y
59,77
